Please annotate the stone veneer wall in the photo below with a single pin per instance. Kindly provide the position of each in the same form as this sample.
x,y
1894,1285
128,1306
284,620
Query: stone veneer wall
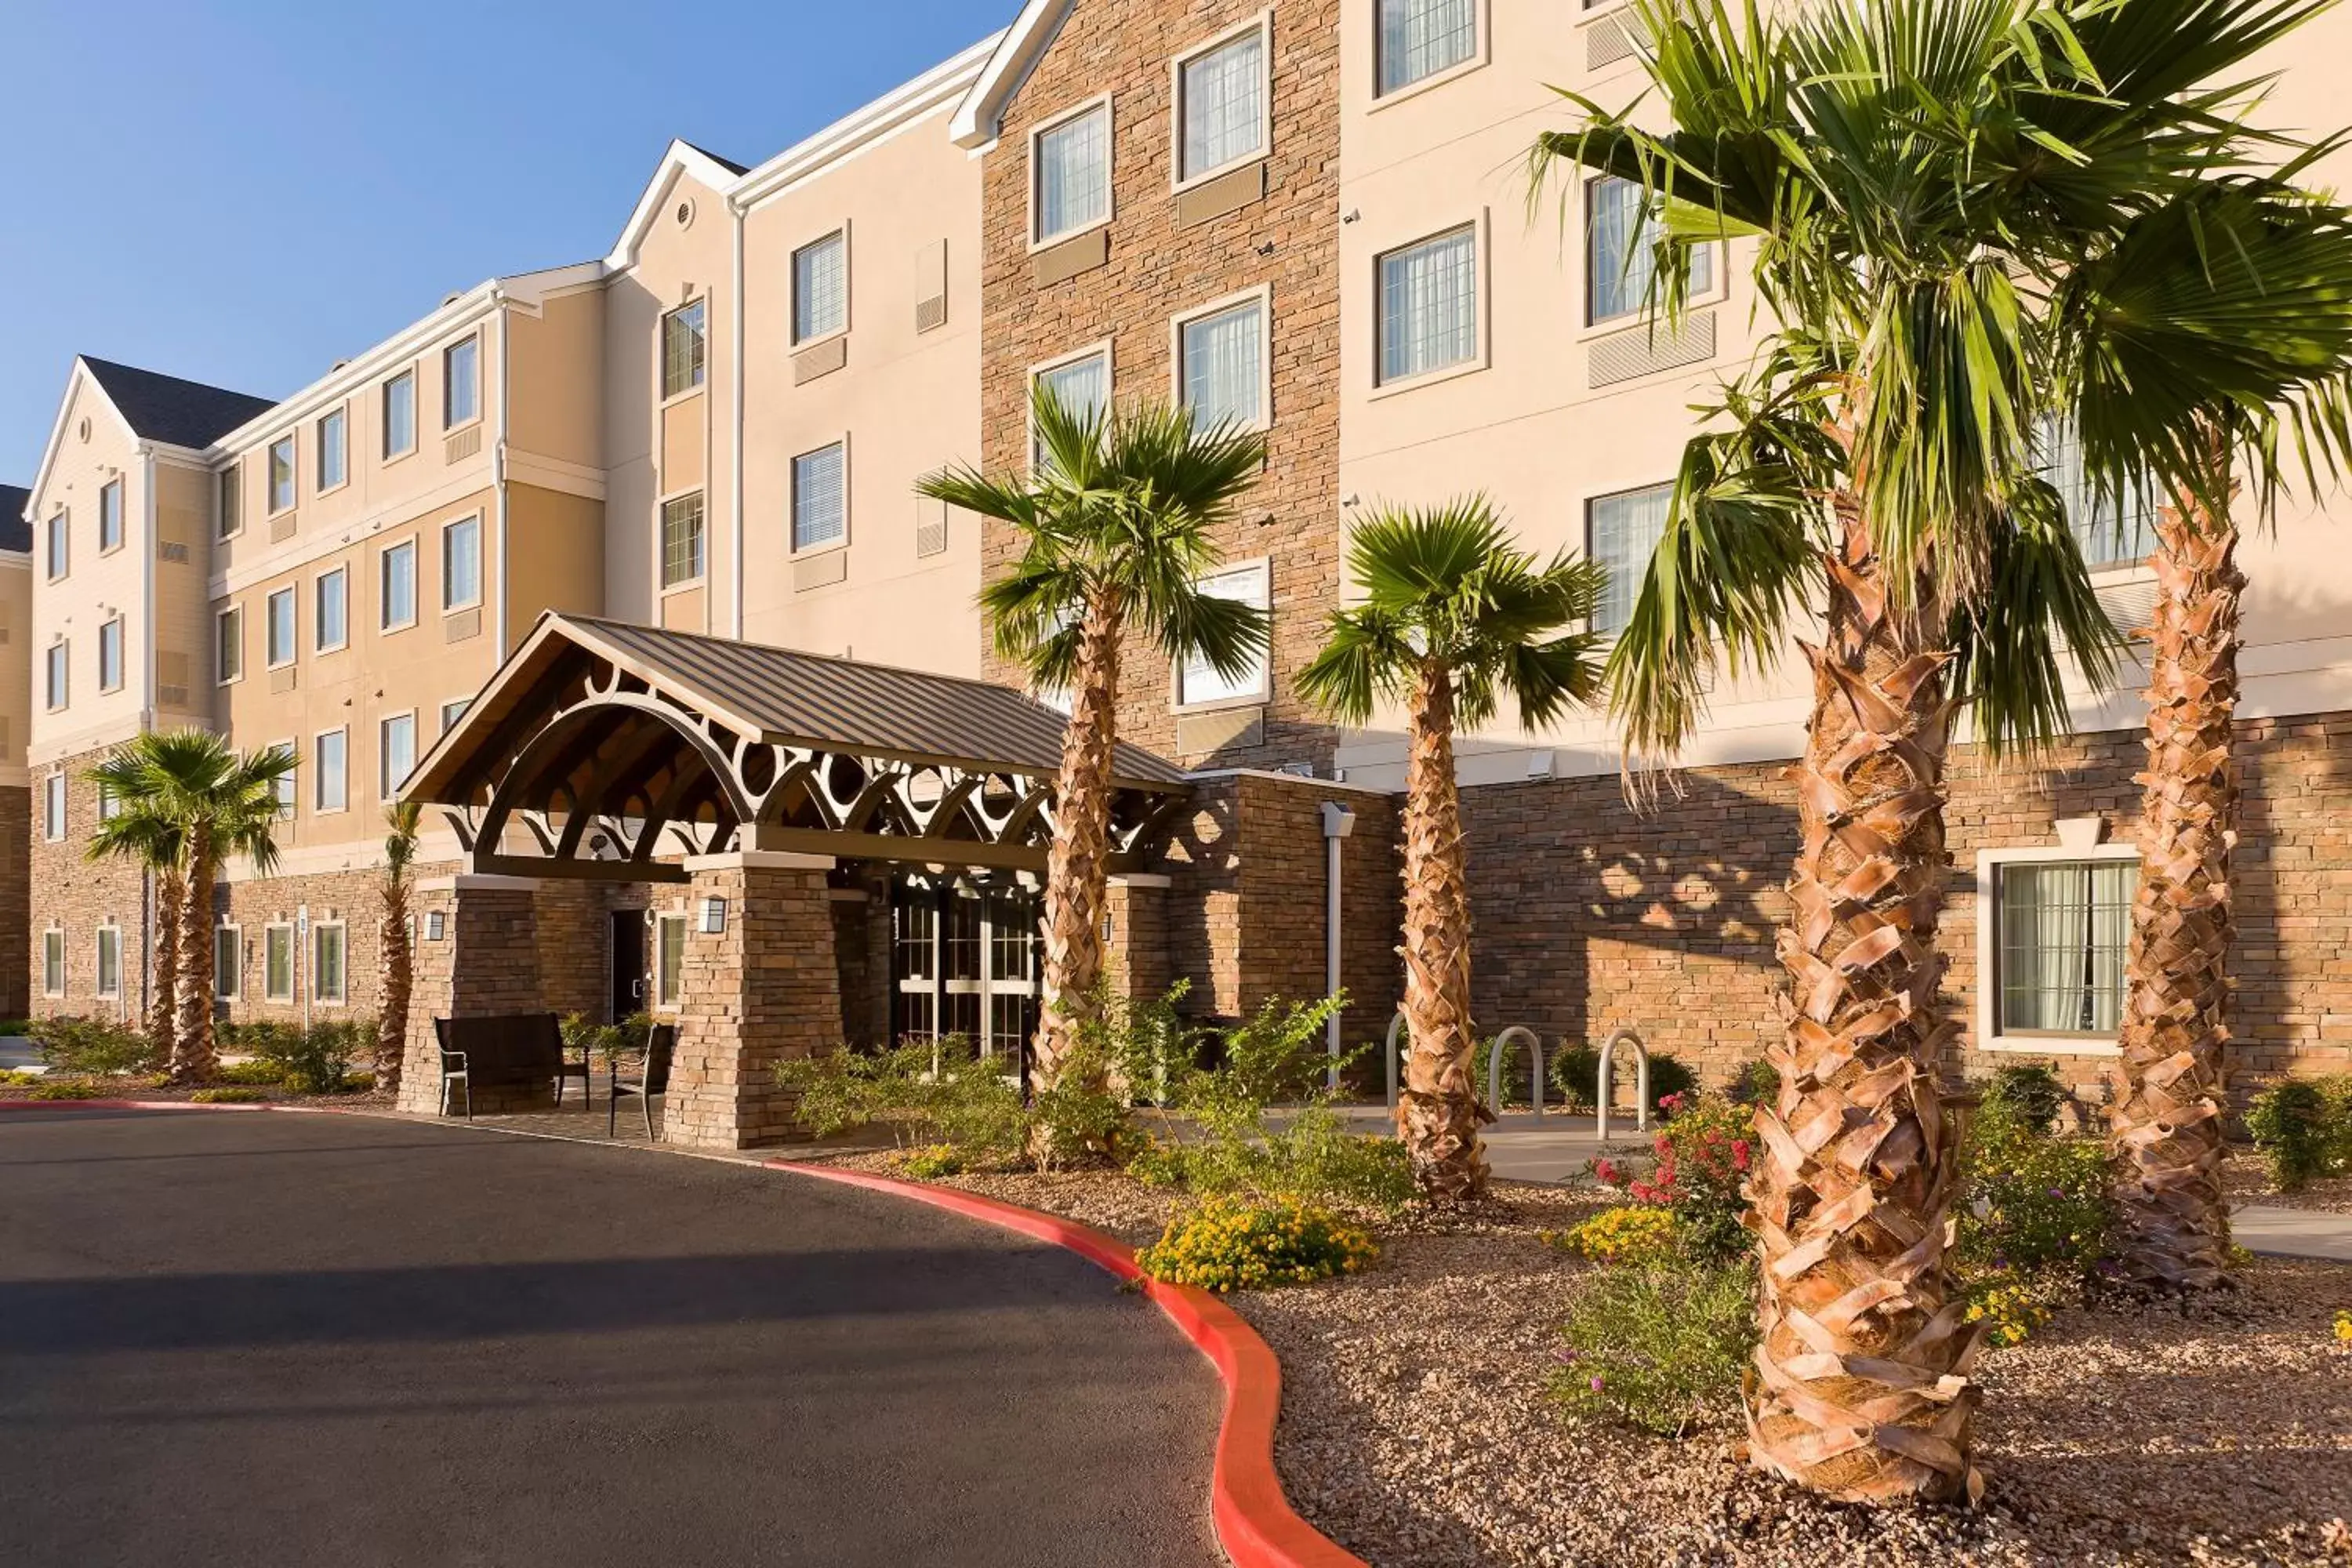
x,y
77,897
1590,915
15,899
1157,270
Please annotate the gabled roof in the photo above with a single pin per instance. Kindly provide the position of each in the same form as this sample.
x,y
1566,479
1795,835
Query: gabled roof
x,y
1018,49
727,163
679,157
165,408
15,531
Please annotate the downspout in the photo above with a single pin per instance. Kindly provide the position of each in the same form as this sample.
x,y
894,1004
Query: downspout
x,y
498,472
147,901
1338,822
735,415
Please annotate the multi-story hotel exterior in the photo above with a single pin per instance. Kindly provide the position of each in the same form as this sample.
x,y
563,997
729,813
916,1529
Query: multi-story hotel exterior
x,y
1312,216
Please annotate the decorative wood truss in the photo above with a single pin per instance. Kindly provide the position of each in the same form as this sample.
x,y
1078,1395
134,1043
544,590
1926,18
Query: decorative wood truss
x,y
609,752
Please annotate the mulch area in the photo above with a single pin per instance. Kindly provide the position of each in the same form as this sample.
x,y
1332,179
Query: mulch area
x,y
2245,1180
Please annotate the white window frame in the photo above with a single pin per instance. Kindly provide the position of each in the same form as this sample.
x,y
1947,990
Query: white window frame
x,y
1182,179
1262,567
292,442
59,544
53,961
341,411
1483,32
448,383
114,488
1263,298
450,720
663,979
1482,279
1987,979
56,695
448,606
387,451
386,783
839,231
56,809
1585,504
289,784
318,609
114,625
292,595
97,986
793,500
383,583
109,807
1719,288
228,980
663,584
663,396
221,639
270,934
228,509
341,994
1110,171
318,806
1100,346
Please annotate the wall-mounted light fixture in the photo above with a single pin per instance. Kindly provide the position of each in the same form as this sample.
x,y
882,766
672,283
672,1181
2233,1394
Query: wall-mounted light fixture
x,y
714,916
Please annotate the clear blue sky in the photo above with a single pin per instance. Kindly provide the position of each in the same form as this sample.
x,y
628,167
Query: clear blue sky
x,y
244,191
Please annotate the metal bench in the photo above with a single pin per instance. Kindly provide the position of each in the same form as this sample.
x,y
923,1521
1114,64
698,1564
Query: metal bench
x,y
515,1050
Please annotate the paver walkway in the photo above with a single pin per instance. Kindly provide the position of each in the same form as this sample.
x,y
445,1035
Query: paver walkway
x,y
272,1338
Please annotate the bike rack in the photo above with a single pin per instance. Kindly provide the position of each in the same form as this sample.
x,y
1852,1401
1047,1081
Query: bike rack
x,y
1605,1089
1495,1068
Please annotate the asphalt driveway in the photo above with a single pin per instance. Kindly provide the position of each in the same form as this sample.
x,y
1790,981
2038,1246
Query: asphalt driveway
x,y
298,1340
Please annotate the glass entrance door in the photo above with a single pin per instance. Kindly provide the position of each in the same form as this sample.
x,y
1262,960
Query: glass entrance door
x,y
964,962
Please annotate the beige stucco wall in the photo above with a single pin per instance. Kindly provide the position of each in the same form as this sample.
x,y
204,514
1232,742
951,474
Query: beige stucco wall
x,y
15,664
94,447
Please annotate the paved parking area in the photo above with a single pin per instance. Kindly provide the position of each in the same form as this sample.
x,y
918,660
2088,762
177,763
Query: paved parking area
x,y
271,1338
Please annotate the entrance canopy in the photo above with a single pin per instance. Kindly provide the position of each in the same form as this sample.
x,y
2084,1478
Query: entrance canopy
x,y
606,751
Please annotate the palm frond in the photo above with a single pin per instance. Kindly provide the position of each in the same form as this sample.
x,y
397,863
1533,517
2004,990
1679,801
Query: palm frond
x,y
2041,612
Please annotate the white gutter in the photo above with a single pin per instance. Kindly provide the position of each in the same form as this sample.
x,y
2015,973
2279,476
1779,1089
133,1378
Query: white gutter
x,y
735,450
147,587
499,472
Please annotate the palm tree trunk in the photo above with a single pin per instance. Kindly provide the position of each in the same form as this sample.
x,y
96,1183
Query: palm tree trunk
x,y
1077,867
1860,1386
1438,1111
392,1023
2165,1122
194,1061
164,1001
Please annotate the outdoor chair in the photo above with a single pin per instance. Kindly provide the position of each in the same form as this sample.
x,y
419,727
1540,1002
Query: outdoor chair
x,y
661,1043
521,1050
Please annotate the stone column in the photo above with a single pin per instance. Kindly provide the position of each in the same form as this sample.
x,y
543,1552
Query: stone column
x,y
1134,949
485,962
763,989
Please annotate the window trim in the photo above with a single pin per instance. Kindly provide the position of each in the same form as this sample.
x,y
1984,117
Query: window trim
x,y
1481,54
235,972
342,993
319,447
319,621
1988,1037
1179,178
661,918
792,290
56,782
1483,273
461,605
386,785
223,614
793,549
1587,328
294,641
1101,100
1584,502
1264,567
228,522
1263,297
409,543
1102,346
385,455
661,545
449,426
121,656
53,938
292,439
59,530
292,776
98,933
293,962
319,771
664,399
441,711
56,696
121,518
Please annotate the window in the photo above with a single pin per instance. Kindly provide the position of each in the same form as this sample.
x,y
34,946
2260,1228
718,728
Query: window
x,y
681,540
109,516
685,345
230,518
280,639
461,563
53,963
1621,533
228,644
284,786
228,962
330,784
1081,385
1418,38
820,287
669,958
1621,252
400,415
332,626
1197,681
109,806
109,961
278,962
1221,101
327,961
820,512
2111,530
453,710
333,450
461,390
1429,305
59,653
53,807
58,546
281,474
398,747
1072,160
109,656
1221,365
396,591
2064,928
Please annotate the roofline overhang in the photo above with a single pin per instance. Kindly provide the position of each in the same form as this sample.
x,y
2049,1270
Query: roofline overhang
x,y
980,115
74,377
909,103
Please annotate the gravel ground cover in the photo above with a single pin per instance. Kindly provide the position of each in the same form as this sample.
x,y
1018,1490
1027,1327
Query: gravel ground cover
x,y
1418,1428
2246,1182
359,1099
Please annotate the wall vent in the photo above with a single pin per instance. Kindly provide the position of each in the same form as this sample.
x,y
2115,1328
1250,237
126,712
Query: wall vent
x,y
1609,40
2129,607
170,550
930,313
464,444
1643,352
281,527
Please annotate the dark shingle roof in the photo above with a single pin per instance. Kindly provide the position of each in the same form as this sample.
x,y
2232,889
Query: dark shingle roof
x,y
15,533
729,164
166,408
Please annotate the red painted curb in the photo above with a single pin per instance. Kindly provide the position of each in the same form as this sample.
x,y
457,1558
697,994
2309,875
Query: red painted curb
x,y
1255,1524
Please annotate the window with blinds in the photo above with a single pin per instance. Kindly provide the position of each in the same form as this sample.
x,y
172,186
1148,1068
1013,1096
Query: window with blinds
x,y
1429,305
1419,39
1621,532
2112,529
681,540
1081,385
1072,180
2064,929
1621,251
820,287
1198,681
1221,365
820,498
1221,106
685,342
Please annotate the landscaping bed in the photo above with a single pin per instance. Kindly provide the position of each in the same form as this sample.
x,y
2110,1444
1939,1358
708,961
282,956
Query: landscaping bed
x,y
2247,1180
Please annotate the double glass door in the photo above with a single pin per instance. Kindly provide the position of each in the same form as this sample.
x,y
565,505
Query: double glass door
x,y
964,962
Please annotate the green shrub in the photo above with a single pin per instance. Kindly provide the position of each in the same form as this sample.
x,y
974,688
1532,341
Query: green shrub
x,y
264,1073
97,1047
358,1082
231,1096
1659,1346
76,1089
924,1091
2028,1202
2014,1304
1755,1083
266,1038
604,1044
1699,1160
315,1060
16,1026
2289,1123
1630,1233
2336,1095
1227,1244
1576,1073
2030,1092
13,1078
931,1162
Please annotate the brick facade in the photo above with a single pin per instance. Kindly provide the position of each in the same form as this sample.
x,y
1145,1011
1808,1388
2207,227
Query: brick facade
x,y
1286,241
77,896
16,899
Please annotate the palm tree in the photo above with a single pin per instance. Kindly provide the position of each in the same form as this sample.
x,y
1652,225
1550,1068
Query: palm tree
x,y
1116,524
1454,619
134,831
392,1023
222,803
